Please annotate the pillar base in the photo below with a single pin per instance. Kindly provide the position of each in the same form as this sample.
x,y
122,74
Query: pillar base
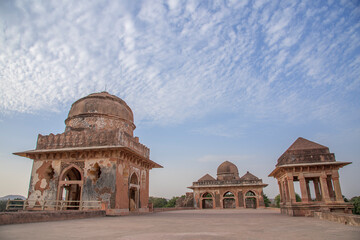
x,y
308,209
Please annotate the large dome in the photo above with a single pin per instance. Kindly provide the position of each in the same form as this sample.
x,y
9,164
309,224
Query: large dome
x,y
100,111
227,171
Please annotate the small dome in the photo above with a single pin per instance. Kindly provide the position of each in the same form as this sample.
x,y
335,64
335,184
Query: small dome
x,y
100,110
227,171
227,168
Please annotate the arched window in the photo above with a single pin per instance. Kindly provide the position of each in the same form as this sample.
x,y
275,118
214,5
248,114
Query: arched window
x,y
134,179
70,187
71,174
207,201
250,193
229,194
207,195
229,200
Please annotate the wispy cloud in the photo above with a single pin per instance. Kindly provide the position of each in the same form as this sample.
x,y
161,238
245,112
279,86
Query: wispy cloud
x,y
176,60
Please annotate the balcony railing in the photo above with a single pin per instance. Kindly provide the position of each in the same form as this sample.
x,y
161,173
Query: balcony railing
x,y
230,182
15,205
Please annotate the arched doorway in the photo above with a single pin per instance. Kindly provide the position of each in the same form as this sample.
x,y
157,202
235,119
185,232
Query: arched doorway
x,y
207,201
250,199
229,200
70,186
134,192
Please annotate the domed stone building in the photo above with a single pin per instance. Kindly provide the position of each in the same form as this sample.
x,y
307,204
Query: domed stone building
x,y
228,190
97,158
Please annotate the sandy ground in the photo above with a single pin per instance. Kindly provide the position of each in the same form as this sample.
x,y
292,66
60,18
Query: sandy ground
x,y
187,224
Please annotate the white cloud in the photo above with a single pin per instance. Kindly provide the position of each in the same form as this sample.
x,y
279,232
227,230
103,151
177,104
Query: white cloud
x,y
180,61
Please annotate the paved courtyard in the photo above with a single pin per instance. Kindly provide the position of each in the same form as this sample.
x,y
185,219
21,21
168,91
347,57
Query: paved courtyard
x,y
188,224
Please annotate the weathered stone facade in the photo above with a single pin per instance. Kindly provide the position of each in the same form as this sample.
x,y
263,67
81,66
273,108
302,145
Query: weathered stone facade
x,y
309,164
228,190
96,158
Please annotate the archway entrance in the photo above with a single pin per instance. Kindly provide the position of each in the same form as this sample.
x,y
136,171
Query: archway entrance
x,y
250,200
207,201
134,192
229,200
70,188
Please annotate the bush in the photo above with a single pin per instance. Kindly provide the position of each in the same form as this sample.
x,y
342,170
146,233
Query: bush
x,y
3,205
158,202
172,202
356,202
277,201
266,200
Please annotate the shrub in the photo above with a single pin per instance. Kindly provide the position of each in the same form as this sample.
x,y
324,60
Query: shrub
x,y
356,202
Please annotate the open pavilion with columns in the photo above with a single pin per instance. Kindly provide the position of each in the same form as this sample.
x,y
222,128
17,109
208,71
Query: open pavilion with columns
x,y
316,170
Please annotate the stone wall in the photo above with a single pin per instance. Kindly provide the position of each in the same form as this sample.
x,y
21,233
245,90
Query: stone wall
x,y
45,216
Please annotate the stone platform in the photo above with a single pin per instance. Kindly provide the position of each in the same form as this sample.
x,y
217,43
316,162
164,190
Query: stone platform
x,y
188,224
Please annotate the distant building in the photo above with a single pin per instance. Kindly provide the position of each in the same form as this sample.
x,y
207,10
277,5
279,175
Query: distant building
x,y
97,158
228,190
315,169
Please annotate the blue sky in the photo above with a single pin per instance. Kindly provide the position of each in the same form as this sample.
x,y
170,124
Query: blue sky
x,y
208,81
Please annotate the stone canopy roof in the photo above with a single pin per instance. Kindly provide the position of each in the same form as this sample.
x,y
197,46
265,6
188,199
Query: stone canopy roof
x,y
304,144
305,151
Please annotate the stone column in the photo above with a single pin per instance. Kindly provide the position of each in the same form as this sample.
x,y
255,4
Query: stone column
x,y
303,188
308,190
290,180
317,189
324,187
286,191
337,188
281,191
236,199
330,188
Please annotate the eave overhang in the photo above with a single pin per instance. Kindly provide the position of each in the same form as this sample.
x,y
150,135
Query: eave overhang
x,y
32,153
277,169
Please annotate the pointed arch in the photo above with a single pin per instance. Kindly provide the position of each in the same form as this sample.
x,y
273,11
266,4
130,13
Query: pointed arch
x,y
250,193
207,195
207,200
70,187
251,199
72,172
134,192
229,194
229,200
134,179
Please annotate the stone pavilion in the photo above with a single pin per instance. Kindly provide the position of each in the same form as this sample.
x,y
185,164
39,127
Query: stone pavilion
x,y
315,169
228,190
96,158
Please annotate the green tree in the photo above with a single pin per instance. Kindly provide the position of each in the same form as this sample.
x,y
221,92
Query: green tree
x,y
277,201
266,200
356,202
172,202
158,202
3,205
